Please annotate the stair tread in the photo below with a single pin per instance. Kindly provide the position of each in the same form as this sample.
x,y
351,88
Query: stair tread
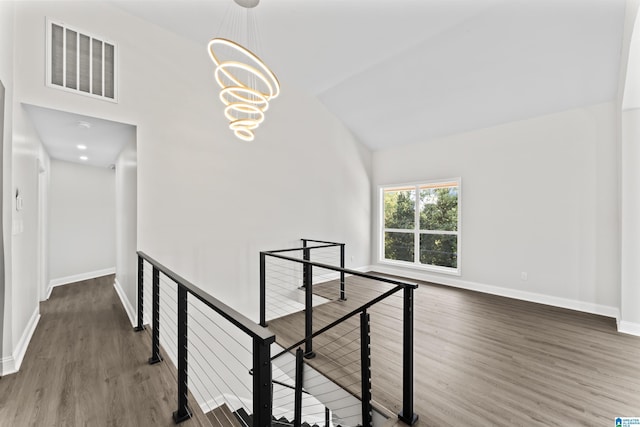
x,y
223,416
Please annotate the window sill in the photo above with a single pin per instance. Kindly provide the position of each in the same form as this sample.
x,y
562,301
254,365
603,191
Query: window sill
x,y
422,267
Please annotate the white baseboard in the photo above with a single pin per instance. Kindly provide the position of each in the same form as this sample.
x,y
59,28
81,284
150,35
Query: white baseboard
x,y
78,278
630,328
587,307
131,312
11,364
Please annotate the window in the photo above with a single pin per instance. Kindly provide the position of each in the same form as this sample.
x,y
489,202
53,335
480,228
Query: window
x,y
80,62
421,225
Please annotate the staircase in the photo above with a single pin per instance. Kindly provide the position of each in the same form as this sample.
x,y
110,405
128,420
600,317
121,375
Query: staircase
x,y
223,416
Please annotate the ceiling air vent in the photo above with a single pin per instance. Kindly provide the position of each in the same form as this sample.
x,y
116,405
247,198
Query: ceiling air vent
x,y
81,62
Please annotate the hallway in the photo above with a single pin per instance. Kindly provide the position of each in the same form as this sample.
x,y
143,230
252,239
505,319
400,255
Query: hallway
x,y
85,366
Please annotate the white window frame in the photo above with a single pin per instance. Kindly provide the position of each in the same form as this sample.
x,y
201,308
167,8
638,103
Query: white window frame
x,y
116,50
416,228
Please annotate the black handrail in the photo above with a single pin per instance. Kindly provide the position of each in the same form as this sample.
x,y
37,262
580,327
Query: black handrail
x,y
303,248
238,319
343,295
340,320
322,241
262,339
306,254
406,414
276,254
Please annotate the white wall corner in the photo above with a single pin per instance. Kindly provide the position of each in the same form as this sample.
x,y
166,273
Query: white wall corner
x,y
131,312
11,364
629,328
586,307
79,278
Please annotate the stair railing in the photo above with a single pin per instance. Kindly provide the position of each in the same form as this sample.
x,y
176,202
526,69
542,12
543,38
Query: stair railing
x,y
279,287
305,244
406,414
261,339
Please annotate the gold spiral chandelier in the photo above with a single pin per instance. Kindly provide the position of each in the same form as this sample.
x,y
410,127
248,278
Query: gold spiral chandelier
x,y
247,84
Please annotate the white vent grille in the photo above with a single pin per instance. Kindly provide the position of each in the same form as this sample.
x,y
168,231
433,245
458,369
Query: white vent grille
x,y
81,62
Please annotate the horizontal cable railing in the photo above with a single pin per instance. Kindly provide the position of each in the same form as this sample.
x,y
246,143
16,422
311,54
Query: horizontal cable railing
x,y
221,358
283,286
301,393
347,357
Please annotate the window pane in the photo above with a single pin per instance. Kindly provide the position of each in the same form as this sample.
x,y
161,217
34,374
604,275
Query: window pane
x,y
439,209
399,209
398,246
439,249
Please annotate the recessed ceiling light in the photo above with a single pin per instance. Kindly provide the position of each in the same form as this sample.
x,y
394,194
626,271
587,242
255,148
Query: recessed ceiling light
x,y
85,158
81,147
84,125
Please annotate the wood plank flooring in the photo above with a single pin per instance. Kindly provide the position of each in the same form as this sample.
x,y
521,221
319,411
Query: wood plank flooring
x,y
482,360
85,366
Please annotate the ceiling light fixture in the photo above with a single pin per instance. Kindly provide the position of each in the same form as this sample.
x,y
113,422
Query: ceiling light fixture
x,y
84,158
247,84
81,147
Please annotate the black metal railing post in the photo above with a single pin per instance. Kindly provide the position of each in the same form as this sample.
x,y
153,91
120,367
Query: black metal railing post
x,y
327,417
365,362
343,297
262,404
140,325
263,290
407,415
183,413
308,307
155,336
297,411
306,255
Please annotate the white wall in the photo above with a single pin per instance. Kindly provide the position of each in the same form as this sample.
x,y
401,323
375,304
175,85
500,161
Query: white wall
x,y
538,196
629,120
22,153
82,222
207,203
27,153
6,75
630,284
126,225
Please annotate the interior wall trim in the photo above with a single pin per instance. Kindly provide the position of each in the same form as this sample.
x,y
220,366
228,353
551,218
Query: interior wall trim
x,y
571,304
630,328
11,364
78,278
128,307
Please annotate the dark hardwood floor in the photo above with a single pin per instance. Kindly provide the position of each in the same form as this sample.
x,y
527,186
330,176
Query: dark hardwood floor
x,y
85,366
483,360
479,360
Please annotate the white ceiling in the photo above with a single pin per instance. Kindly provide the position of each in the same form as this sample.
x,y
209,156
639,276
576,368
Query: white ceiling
x,y
61,133
405,71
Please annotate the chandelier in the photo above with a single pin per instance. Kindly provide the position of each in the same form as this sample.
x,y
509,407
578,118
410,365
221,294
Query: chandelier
x,y
246,83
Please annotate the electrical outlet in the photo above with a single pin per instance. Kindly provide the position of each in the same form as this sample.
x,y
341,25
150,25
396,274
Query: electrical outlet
x,y
524,275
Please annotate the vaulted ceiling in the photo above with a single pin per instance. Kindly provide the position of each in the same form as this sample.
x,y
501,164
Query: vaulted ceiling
x,y
406,71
